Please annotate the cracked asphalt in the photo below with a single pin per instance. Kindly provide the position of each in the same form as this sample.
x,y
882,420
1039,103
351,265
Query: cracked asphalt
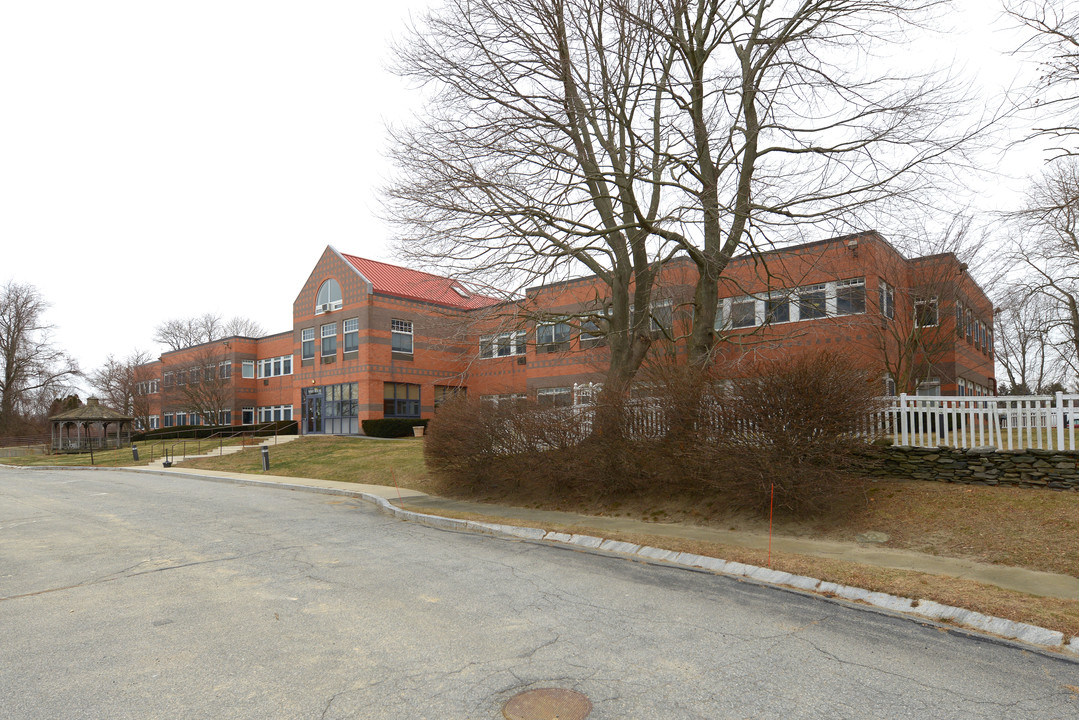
x,y
142,596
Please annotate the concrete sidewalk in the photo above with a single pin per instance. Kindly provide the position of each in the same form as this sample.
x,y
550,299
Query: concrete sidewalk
x,y
1013,578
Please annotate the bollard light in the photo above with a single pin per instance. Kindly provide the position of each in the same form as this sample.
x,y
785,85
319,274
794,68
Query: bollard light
x,y
135,453
265,458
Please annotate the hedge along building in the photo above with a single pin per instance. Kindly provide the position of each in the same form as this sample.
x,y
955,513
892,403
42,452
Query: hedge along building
x,y
373,340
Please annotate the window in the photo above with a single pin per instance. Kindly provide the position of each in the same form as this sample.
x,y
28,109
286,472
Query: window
x,y
448,392
247,369
662,316
275,413
167,380
193,376
743,312
970,326
307,343
154,422
591,335
247,416
505,398
889,386
925,312
224,417
989,334
777,309
812,301
959,320
850,297
273,367
329,297
181,418
513,343
352,334
555,397
552,337
224,370
887,301
401,336
400,400
181,377
720,319
169,420
329,340
333,409
209,373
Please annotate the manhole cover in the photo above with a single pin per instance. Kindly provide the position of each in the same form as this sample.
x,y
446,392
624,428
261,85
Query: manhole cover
x,y
548,704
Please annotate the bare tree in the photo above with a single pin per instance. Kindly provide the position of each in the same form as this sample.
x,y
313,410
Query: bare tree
x,y
540,153
180,333
1046,248
33,370
581,135
204,387
1054,40
117,383
1028,339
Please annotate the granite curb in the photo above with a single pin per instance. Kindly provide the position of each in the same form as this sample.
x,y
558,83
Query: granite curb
x,y
927,610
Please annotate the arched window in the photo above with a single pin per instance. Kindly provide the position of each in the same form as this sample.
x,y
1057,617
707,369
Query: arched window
x,y
329,297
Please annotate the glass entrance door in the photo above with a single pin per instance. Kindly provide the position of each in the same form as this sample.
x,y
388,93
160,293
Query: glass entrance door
x,y
312,410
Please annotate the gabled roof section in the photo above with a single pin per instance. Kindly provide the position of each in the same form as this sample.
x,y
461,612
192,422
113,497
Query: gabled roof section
x,y
402,282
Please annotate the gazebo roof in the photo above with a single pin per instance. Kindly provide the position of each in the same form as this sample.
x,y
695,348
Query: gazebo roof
x,y
92,411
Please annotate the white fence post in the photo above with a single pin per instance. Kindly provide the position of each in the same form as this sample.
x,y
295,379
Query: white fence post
x,y
902,418
1060,420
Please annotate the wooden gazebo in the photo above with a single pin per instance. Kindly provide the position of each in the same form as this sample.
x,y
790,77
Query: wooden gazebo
x,y
87,427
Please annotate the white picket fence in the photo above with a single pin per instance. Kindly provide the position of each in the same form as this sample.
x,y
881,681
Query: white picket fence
x,y
1006,423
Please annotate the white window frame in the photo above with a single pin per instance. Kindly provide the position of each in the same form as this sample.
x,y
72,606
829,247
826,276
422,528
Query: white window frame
x,y
851,283
307,335
330,305
402,329
247,369
933,302
515,343
351,326
323,334
554,392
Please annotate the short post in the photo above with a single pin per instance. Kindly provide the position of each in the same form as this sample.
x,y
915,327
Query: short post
x,y
265,458
134,452
1059,412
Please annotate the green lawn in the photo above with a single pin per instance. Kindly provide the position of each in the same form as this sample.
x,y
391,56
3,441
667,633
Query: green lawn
x,y
149,451
372,461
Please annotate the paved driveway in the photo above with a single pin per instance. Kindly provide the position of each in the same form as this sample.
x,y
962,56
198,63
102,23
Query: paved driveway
x,y
135,596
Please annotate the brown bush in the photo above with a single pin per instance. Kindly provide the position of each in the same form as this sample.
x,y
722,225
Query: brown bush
x,y
790,424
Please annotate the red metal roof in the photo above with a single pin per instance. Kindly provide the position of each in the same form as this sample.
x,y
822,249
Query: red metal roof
x,y
415,285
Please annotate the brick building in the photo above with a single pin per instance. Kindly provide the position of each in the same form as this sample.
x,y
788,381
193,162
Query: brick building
x,y
372,340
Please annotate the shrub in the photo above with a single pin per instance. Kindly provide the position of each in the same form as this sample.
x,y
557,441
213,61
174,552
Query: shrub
x,y
391,427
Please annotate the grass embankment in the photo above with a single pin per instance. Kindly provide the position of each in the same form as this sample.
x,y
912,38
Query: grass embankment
x,y
148,452
360,460
1032,528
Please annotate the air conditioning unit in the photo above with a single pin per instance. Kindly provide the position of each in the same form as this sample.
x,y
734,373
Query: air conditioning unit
x,y
323,308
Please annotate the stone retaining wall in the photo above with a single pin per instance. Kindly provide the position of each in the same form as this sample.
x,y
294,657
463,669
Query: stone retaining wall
x,y
1056,469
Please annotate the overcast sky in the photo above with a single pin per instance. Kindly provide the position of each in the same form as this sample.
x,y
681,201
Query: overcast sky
x,y
166,159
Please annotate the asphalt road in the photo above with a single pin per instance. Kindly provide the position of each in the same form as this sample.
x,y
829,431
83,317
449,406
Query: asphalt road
x,y
141,596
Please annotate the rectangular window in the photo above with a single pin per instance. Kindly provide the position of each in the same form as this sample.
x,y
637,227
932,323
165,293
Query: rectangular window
x,y
555,397
167,379
503,345
720,316
329,340
224,417
154,422
401,336
887,301
247,416
181,418
170,420
850,297
662,316
925,312
550,334
970,326
743,312
224,370
591,336
352,334
275,367
247,369
959,320
307,343
778,309
209,373
448,392
812,302
400,400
